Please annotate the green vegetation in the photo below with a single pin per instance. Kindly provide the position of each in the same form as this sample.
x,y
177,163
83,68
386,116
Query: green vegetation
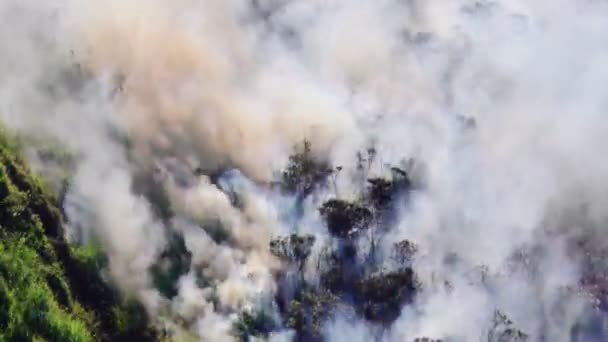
x,y
345,219
382,295
353,279
349,281
293,249
303,173
253,324
382,191
174,262
309,310
35,300
50,290
53,291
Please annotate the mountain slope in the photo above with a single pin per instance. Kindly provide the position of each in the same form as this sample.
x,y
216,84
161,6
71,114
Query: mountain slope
x,y
50,290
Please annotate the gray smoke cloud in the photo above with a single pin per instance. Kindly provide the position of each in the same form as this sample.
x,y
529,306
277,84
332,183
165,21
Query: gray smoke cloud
x,y
499,104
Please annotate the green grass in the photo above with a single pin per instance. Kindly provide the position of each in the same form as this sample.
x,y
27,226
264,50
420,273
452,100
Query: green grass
x,y
29,308
50,290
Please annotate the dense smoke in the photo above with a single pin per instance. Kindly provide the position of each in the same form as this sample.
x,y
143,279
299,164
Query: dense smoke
x,y
180,115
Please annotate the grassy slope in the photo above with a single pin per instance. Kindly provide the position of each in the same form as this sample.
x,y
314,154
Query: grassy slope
x,y
50,290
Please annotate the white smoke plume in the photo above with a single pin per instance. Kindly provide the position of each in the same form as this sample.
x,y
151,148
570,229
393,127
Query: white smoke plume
x,y
499,104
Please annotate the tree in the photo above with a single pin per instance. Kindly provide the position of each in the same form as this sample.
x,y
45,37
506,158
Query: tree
x,y
382,295
382,191
309,310
403,252
502,329
293,248
303,173
345,219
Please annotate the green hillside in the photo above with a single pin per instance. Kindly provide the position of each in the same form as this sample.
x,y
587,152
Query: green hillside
x,y
50,290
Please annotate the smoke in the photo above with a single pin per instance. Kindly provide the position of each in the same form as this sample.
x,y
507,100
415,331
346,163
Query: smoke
x,y
498,103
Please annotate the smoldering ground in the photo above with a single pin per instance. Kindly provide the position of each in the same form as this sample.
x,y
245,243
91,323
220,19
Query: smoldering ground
x,y
499,103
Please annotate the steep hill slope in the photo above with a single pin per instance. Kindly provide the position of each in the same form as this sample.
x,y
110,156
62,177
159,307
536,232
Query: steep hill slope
x,y
50,290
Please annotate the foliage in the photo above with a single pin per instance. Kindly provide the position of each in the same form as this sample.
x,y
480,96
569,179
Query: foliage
x,y
293,248
504,330
303,173
345,219
336,277
174,262
404,251
253,324
29,307
347,278
594,269
382,295
383,191
50,290
309,310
